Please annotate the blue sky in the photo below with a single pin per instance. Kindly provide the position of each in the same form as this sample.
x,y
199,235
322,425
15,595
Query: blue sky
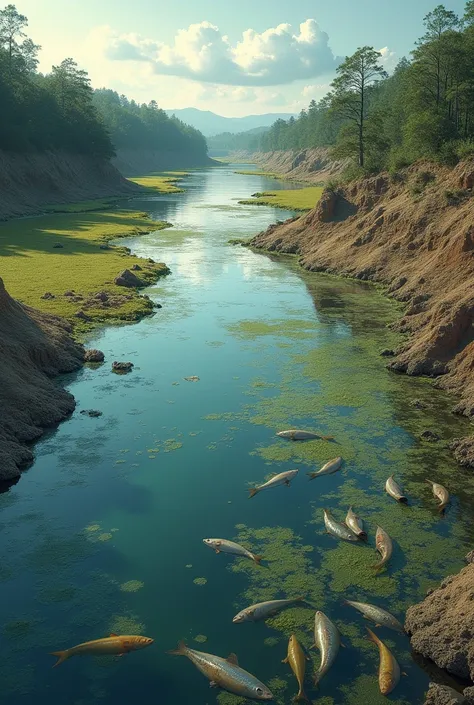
x,y
234,57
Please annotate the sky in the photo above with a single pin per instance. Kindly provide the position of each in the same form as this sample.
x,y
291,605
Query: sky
x,y
234,57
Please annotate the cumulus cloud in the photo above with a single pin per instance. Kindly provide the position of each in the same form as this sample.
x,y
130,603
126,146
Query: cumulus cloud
x,y
201,52
316,89
388,59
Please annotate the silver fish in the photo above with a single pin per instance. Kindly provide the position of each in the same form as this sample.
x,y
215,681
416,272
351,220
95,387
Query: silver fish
x,y
327,469
355,524
338,530
283,478
378,615
394,490
297,435
440,493
328,641
225,546
262,610
384,546
225,673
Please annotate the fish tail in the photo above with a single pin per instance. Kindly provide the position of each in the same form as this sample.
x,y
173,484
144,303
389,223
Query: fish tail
x,y
430,482
379,565
62,656
372,636
403,500
301,697
363,536
180,649
257,559
252,492
300,598
311,475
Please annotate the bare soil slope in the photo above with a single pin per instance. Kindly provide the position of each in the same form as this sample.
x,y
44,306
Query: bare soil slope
x,y
414,233
313,165
34,347
31,181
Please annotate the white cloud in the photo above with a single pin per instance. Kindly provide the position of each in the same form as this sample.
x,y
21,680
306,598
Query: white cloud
x,y
388,59
202,53
315,90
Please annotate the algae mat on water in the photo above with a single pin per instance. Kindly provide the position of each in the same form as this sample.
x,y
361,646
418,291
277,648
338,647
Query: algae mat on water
x,y
56,253
163,182
302,199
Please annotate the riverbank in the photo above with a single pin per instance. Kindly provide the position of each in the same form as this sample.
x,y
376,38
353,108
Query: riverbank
x,y
413,233
303,199
309,165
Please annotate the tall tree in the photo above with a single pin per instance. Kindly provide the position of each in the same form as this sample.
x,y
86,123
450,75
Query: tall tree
x,y
11,29
355,77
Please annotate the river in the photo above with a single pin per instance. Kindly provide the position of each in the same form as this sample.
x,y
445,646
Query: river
x,y
104,533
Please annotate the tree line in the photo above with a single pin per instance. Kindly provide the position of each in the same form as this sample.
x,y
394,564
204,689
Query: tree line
x,y
61,111
425,109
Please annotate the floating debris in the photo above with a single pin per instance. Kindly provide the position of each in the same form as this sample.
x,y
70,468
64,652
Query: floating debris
x,y
193,378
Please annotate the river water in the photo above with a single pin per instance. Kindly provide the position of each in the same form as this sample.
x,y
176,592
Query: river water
x,y
104,533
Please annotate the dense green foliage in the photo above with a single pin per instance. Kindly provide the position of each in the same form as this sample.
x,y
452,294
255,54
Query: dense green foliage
x,y
424,109
62,111
233,142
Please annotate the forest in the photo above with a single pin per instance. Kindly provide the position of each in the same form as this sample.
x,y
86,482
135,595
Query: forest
x,y
425,109
61,111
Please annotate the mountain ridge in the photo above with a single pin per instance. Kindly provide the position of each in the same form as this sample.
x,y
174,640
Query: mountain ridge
x,y
211,124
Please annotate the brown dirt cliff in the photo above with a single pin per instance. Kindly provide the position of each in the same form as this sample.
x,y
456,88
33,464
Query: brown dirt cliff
x,y
413,232
315,165
34,347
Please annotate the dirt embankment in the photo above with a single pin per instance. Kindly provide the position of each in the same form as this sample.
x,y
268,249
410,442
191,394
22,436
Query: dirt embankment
x,y
414,233
136,162
30,181
312,165
34,347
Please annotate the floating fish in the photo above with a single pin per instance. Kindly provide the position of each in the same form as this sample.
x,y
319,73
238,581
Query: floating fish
x,y
389,670
328,641
283,478
327,469
224,546
340,531
394,490
296,435
355,524
109,646
381,617
297,660
262,610
440,493
225,673
384,546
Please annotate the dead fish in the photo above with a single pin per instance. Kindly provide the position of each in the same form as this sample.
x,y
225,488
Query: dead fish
x,y
355,524
283,478
109,646
297,660
328,641
262,610
340,531
225,673
381,617
440,493
327,469
224,546
296,435
389,670
384,546
394,490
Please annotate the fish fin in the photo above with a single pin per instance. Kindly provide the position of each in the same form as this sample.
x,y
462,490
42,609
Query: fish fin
x,y
287,483
112,634
217,550
213,684
313,646
301,697
312,475
285,660
252,492
232,658
404,674
257,559
62,656
180,650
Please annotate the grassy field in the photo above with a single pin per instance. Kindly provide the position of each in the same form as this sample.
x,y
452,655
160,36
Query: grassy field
x,y
32,265
163,182
303,199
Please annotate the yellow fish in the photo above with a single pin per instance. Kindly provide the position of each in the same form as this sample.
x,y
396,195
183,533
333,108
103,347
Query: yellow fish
x,y
297,660
110,646
389,670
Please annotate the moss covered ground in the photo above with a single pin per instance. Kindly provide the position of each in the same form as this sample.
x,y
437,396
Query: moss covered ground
x,y
303,199
163,181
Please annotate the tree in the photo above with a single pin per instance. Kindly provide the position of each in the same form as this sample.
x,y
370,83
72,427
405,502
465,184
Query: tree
x,y
11,29
349,98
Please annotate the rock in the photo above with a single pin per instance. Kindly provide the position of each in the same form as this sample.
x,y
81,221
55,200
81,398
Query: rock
x,y
101,296
80,314
418,404
93,355
69,293
442,626
463,450
48,295
469,557
387,352
104,247
128,279
58,246
93,413
157,305
443,695
469,695
151,261
428,435
122,367
136,268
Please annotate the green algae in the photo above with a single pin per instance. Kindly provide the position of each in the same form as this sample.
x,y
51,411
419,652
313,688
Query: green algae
x,y
200,581
132,586
104,537
365,689
200,638
54,594
286,327
126,624
17,629
271,641
92,527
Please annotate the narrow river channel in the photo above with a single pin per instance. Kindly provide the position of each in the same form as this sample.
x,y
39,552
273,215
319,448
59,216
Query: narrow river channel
x,y
104,533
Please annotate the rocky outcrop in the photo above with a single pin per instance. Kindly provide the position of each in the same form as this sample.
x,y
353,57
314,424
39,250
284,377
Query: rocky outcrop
x,y
442,626
34,347
122,368
414,233
94,355
129,279
444,695
314,165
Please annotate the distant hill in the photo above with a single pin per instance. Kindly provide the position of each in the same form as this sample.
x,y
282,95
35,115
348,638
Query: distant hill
x,y
248,141
211,124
